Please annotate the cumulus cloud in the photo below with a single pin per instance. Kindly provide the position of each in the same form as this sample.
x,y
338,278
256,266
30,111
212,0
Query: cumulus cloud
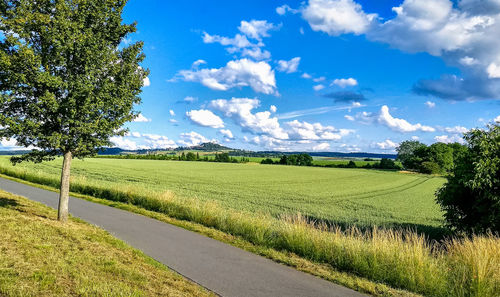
x,y
345,82
146,82
192,138
456,130
240,110
321,147
306,75
238,73
256,53
142,141
198,63
315,131
256,29
227,133
9,144
288,66
190,99
449,139
464,35
141,119
283,9
205,118
336,17
349,117
430,104
318,87
273,108
386,119
497,119
386,145
172,113
346,96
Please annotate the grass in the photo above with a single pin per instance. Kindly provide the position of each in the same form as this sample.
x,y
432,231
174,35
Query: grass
x,y
398,258
41,257
343,196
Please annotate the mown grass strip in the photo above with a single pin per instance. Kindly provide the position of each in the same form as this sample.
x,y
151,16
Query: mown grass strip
x,y
41,257
399,258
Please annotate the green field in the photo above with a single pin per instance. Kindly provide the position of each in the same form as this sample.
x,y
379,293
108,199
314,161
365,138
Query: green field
x,y
343,196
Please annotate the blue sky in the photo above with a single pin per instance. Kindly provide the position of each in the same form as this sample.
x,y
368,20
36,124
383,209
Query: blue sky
x,y
324,75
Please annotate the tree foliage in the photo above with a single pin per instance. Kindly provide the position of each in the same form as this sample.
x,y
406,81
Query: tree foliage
x,y
471,196
65,86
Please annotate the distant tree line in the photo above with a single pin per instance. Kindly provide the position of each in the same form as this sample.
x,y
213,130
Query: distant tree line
x,y
189,156
307,160
437,158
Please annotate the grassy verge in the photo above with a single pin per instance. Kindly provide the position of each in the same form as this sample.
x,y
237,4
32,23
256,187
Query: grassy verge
x,y
41,257
401,259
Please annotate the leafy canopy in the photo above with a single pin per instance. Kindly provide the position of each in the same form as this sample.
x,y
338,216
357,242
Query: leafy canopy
x,y
471,197
66,85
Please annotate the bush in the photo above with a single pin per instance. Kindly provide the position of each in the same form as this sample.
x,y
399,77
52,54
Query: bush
x,y
430,168
267,161
471,197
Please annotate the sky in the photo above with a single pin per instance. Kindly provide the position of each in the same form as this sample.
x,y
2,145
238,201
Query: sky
x,y
316,75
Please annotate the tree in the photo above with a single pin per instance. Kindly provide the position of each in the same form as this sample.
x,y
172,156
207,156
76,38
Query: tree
x,y
190,156
66,85
407,153
471,196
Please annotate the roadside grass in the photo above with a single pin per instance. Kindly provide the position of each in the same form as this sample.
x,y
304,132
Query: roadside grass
x,y
42,257
399,258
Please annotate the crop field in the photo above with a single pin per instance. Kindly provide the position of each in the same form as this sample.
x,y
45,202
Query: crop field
x,y
343,196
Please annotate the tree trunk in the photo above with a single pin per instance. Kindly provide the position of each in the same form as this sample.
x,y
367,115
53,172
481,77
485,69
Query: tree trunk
x,y
62,214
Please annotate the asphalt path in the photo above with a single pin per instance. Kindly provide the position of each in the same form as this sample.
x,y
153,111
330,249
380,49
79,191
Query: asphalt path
x,y
219,267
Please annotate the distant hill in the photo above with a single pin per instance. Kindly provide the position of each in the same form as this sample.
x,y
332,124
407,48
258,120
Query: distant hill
x,y
207,146
215,147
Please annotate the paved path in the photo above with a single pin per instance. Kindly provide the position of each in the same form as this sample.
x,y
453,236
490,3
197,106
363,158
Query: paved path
x,y
222,268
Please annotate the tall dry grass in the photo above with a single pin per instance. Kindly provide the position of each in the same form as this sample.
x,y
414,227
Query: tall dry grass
x,y
399,258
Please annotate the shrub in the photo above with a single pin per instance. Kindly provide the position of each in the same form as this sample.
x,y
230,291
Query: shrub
x,y
471,196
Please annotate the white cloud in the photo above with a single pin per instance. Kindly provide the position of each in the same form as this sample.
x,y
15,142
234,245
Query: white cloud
x,y
318,87
493,70
256,29
205,118
497,119
172,113
238,73
456,130
146,82
385,118
240,110
256,53
9,144
237,42
316,131
141,119
345,82
386,145
227,133
430,104
283,9
321,147
449,139
273,108
173,121
124,143
336,17
288,66
198,63
306,75
415,138
463,33
192,138
348,117
319,79
190,99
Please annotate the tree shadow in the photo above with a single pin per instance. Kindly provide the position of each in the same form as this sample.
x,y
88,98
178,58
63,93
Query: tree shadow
x,y
5,202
